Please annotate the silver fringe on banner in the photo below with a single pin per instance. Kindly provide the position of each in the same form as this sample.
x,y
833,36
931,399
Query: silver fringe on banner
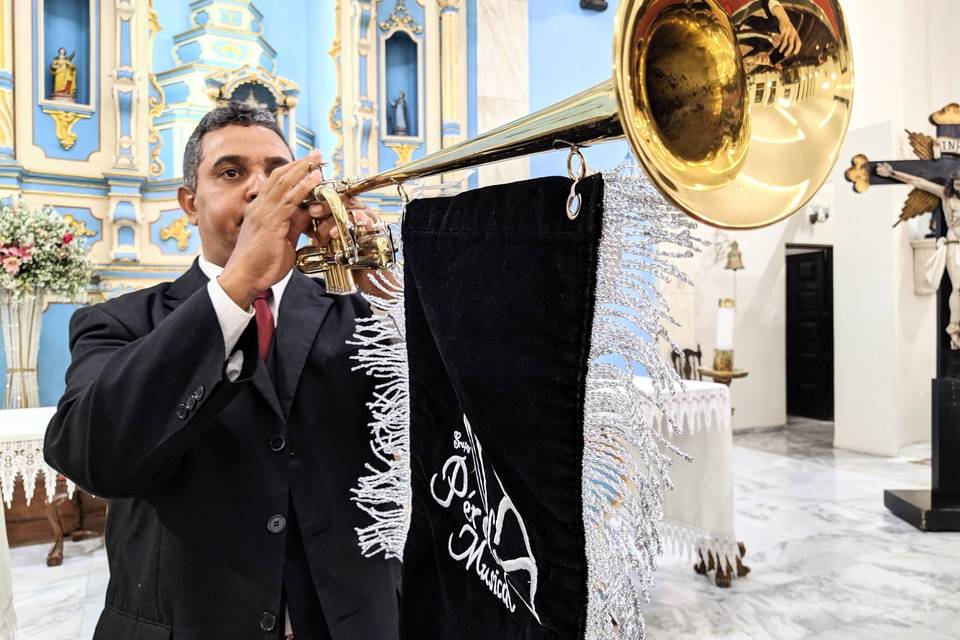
x,y
385,493
625,466
625,470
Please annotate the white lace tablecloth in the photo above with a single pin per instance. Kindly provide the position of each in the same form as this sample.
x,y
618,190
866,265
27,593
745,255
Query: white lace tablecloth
x,y
21,452
698,513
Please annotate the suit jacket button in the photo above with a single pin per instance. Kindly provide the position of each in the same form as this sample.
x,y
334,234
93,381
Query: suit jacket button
x,y
276,524
198,392
191,403
182,412
277,443
268,621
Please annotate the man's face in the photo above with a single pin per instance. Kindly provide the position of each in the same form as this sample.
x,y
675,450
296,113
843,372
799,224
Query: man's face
x,y
235,162
956,185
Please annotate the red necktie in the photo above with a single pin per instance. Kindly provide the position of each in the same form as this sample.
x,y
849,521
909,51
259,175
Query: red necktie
x,y
265,328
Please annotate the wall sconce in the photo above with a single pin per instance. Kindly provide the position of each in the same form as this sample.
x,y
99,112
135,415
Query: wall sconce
x,y
819,213
594,5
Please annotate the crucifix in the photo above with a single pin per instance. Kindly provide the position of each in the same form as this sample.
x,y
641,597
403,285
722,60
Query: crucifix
x,y
935,178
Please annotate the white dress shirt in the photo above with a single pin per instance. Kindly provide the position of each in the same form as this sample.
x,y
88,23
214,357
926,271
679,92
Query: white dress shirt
x,y
234,320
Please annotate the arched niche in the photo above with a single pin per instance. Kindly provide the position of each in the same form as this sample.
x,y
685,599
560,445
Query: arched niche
x,y
66,33
401,56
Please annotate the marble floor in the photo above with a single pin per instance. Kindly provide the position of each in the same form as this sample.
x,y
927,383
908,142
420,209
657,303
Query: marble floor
x,y
829,561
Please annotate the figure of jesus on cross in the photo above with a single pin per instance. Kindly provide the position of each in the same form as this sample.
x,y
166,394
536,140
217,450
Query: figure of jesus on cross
x,y
947,254
935,179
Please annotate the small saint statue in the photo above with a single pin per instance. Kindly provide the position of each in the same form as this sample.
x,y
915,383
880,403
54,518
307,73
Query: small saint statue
x,y
64,73
399,107
947,255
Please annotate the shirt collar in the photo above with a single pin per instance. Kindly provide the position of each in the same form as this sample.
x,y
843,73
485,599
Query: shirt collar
x,y
213,271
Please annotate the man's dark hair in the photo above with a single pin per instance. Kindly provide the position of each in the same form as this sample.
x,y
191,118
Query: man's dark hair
x,y
948,190
220,117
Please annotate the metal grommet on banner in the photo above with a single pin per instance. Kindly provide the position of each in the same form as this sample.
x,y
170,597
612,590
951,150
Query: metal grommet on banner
x,y
576,170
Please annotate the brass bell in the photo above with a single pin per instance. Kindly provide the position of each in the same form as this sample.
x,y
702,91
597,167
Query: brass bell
x,y
734,257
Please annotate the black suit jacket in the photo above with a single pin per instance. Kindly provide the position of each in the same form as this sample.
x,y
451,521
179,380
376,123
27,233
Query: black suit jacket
x,y
201,471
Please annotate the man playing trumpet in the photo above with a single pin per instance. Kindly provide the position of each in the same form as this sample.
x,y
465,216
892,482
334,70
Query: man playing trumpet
x,y
222,417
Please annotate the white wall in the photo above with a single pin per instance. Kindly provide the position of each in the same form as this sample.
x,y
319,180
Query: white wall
x,y
868,304
905,54
503,78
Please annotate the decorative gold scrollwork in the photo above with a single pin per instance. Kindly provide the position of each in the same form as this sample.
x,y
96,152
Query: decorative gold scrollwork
x,y
404,151
400,19
79,227
64,121
178,230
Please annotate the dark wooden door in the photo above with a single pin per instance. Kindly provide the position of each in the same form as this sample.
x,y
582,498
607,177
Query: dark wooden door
x,y
810,333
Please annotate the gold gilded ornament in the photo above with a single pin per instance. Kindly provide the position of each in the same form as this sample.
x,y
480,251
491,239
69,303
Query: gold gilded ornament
x,y
859,173
64,121
178,230
404,152
79,227
400,19
950,114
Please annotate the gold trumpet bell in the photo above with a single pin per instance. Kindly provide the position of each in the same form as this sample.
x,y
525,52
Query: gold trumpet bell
x,y
738,133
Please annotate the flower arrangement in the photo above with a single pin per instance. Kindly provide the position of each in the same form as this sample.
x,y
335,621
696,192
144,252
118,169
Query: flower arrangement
x,y
39,253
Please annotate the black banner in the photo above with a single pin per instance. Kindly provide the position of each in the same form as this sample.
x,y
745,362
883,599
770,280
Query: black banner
x,y
500,290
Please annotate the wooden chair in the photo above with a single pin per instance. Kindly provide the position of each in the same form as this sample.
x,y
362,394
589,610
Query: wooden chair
x,y
688,365
60,531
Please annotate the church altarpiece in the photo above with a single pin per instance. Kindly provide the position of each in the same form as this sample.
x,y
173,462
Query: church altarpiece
x,y
107,94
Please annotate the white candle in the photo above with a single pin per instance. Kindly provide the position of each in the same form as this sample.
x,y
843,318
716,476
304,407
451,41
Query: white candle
x,y
725,315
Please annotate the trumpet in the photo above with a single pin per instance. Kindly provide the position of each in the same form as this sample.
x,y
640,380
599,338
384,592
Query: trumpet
x,y
737,114
356,247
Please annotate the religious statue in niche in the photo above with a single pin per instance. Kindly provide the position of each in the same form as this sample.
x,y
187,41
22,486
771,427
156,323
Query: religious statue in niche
x,y
399,110
946,256
64,72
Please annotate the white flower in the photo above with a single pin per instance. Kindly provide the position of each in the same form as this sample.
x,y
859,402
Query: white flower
x,y
40,254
